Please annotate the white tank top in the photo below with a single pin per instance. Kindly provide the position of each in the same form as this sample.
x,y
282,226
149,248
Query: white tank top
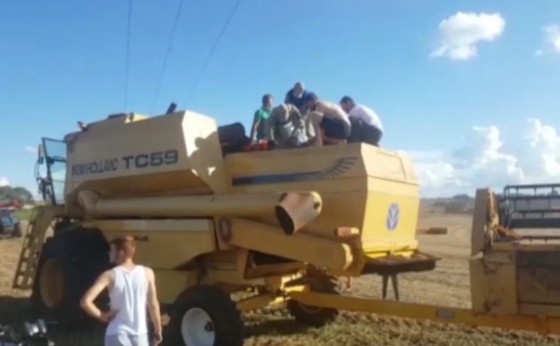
x,y
129,298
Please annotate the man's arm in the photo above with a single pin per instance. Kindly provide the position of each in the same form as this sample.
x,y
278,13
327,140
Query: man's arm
x,y
153,305
269,127
287,98
256,122
102,282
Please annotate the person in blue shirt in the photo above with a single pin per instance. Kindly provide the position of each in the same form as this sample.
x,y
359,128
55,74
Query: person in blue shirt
x,y
296,96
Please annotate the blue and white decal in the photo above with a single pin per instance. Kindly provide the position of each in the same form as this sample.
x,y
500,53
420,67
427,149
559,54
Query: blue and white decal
x,y
393,215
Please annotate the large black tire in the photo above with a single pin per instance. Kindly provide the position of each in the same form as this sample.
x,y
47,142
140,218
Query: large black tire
x,y
221,317
69,264
318,282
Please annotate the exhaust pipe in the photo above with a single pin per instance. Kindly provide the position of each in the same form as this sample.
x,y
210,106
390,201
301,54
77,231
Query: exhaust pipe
x,y
296,210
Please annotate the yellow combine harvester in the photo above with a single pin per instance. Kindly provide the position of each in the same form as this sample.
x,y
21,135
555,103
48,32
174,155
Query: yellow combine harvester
x,y
279,225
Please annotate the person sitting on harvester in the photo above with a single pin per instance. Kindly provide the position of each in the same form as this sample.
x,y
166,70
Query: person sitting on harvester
x,y
296,96
366,125
329,120
259,119
287,128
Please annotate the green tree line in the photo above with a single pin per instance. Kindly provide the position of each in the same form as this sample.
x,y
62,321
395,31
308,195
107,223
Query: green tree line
x,y
16,193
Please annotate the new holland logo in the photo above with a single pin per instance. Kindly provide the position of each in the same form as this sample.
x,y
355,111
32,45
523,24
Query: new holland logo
x,y
337,168
393,215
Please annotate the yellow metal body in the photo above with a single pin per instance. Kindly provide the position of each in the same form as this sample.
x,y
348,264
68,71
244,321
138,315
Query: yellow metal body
x,y
511,274
238,219
258,219
514,280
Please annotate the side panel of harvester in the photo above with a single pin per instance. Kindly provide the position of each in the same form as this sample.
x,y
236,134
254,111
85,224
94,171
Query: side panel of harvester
x,y
372,191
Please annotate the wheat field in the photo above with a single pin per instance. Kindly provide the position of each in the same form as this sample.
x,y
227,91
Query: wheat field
x,y
447,285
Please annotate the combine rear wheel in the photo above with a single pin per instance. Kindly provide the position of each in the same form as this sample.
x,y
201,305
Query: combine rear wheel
x,y
205,316
318,282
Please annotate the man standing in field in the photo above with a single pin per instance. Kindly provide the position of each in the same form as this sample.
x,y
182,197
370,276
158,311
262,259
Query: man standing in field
x,y
132,291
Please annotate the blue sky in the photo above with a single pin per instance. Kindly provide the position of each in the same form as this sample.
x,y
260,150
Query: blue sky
x,y
64,61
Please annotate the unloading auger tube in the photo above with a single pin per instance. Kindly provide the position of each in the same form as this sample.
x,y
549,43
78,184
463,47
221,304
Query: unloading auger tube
x,y
293,210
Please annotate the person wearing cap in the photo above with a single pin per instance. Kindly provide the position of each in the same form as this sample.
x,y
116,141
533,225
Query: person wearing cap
x,y
260,117
132,294
296,96
366,125
287,128
329,120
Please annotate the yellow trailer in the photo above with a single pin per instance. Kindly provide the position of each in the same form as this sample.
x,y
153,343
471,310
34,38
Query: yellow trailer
x,y
279,225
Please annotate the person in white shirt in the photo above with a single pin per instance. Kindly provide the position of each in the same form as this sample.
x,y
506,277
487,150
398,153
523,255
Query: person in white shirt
x,y
366,124
132,293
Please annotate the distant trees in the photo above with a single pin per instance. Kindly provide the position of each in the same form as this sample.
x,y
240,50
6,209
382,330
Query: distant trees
x,y
461,203
16,193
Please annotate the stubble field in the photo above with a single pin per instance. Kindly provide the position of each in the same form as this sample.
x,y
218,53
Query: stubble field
x,y
447,285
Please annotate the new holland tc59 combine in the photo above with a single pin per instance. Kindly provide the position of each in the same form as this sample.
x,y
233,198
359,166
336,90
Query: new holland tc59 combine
x,y
280,225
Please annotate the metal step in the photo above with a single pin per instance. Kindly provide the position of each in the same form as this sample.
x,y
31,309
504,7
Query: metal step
x,y
33,240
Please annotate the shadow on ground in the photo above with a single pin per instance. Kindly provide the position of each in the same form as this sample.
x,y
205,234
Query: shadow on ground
x,y
279,327
14,309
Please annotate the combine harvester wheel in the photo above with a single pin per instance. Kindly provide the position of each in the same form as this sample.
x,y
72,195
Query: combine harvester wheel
x,y
205,316
70,262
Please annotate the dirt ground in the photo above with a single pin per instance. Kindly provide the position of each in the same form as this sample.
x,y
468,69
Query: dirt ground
x,y
447,285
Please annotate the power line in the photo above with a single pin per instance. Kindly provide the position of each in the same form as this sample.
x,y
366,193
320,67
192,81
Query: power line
x,y
127,63
211,54
167,53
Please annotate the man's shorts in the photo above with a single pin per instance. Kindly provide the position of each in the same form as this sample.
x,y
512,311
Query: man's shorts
x,y
335,128
371,134
363,133
127,340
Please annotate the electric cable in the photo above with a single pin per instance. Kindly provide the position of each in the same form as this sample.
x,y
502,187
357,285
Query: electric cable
x,y
212,51
127,59
167,53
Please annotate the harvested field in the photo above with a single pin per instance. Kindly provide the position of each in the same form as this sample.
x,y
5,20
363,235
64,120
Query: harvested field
x,y
447,285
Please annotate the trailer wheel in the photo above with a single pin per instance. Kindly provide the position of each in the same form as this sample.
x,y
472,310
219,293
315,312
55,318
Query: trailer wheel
x,y
68,265
205,316
319,282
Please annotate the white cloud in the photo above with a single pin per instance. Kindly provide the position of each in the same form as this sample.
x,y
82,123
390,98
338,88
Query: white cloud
x,y
4,181
551,34
484,160
31,149
461,33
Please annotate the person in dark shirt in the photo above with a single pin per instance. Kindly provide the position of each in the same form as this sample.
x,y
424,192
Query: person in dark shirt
x,y
260,118
296,96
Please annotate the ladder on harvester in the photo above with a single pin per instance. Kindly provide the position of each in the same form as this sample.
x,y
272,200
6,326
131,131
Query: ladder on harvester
x,y
39,222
